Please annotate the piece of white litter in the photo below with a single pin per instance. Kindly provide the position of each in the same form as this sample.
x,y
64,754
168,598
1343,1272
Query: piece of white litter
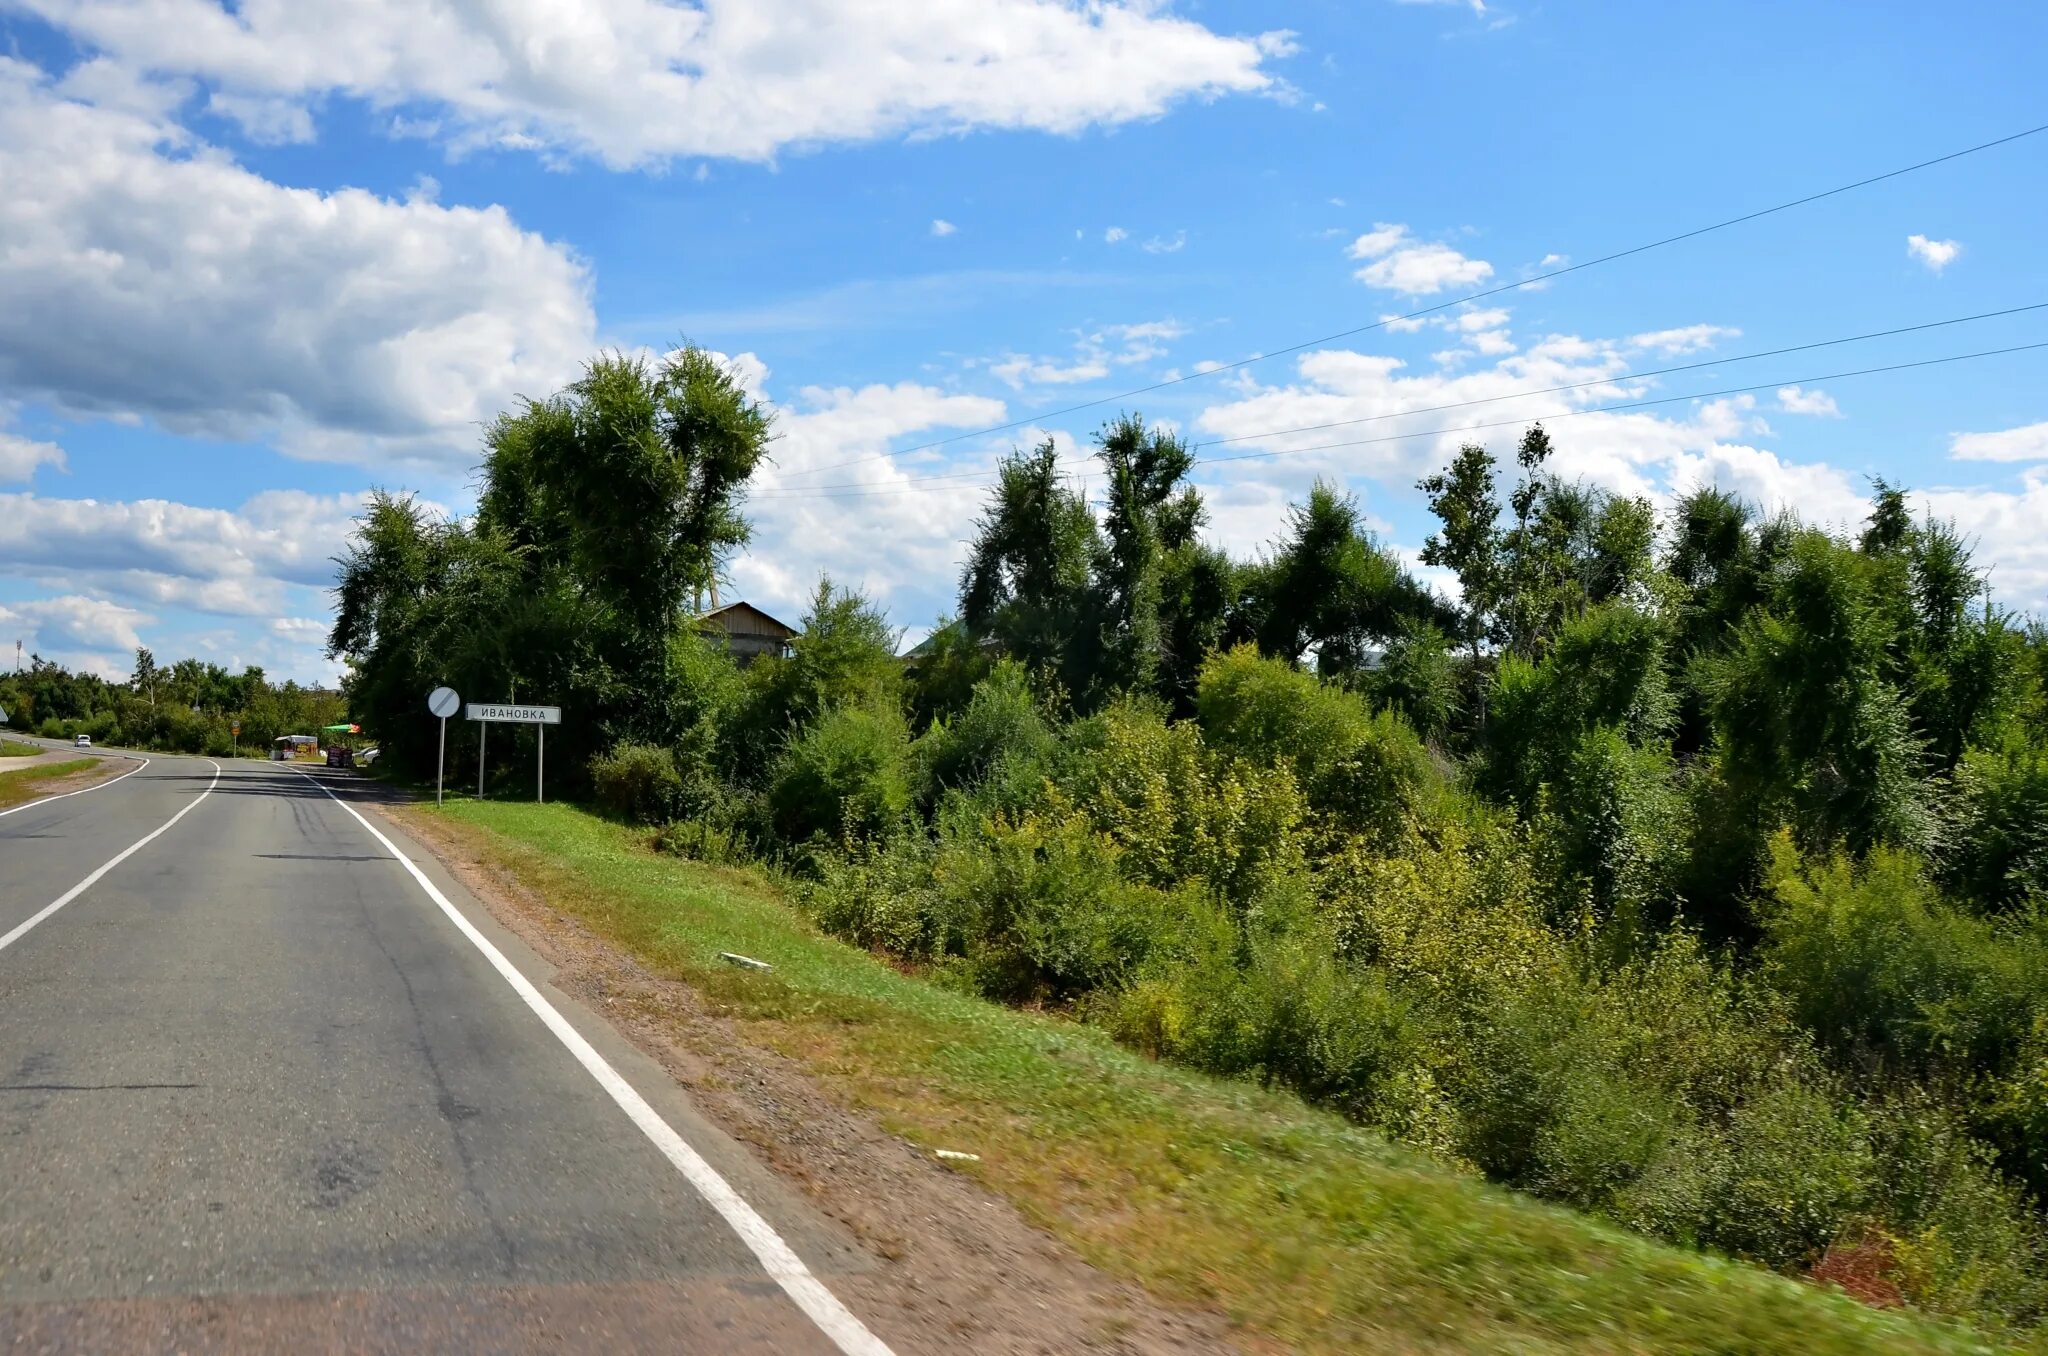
x,y
737,959
957,1155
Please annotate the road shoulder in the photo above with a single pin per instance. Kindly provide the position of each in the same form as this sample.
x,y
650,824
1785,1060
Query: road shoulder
x,y
954,1267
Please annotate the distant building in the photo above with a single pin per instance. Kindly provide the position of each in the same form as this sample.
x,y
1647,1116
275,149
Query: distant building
x,y
747,632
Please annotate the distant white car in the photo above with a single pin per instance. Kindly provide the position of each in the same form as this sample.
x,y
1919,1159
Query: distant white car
x,y
367,757
82,742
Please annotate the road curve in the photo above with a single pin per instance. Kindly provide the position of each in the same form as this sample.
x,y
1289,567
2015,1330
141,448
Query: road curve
x,y
257,1091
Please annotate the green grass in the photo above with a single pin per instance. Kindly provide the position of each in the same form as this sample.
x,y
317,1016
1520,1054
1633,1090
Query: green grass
x,y
1310,1232
10,748
25,784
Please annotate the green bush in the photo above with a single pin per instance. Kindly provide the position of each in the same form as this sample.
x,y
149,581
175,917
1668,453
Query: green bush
x,y
1963,1238
638,783
1792,1166
1995,850
1176,814
1878,966
847,775
1001,724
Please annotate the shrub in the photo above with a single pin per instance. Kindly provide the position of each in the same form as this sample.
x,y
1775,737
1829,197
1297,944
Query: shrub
x,y
1996,848
1877,966
847,775
638,783
1000,723
1963,1239
1175,815
1366,772
1791,1167
1417,678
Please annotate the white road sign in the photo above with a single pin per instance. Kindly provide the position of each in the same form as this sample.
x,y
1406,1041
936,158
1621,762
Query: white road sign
x,y
442,702
516,715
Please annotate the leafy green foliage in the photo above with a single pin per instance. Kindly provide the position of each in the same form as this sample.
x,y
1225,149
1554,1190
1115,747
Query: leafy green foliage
x,y
1694,885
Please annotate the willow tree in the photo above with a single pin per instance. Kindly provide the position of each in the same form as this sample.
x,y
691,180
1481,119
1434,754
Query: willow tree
x,y
627,485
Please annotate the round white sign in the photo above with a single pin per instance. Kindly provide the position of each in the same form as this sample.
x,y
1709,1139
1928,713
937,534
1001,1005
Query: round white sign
x,y
442,701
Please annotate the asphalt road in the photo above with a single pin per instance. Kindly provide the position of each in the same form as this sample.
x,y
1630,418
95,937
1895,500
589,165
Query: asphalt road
x,y
259,1091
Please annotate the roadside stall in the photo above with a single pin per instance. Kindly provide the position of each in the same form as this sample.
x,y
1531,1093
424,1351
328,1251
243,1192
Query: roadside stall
x,y
284,748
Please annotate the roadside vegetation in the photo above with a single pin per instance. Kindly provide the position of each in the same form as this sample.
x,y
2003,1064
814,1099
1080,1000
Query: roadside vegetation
x,y
25,784
1311,1232
186,707
11,748
1688,871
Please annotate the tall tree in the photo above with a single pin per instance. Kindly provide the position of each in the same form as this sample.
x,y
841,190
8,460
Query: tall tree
x,y
1468,541
1151,512
1330,588
1026,580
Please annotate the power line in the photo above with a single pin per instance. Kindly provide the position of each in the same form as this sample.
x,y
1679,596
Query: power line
x,y
918,487
803,490
1384,321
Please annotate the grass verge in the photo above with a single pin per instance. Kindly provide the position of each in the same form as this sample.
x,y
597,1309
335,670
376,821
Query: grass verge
x,y
27,783
1308,1231
10,748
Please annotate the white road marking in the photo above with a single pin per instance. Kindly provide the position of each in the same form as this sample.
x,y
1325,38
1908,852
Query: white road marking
x,y
123,855
67,795
780,1261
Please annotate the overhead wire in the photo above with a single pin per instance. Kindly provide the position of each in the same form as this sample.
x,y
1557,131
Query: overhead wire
x,y
1384,321
806,491
917,488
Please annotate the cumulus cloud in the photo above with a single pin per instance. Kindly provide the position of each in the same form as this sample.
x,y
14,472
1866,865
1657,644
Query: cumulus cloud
x,y
75,622
236,562
1794,400
20,457
2026,443
1114,235
828,503
1160,244
1936,254
943,227
147,274
1397,262
637,82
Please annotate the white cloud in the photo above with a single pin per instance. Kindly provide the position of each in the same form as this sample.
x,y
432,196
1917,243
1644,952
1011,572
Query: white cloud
x,y
1400,263
1685,339
238,562
1793,400
942,227
1018,371
1095,353
644,81
2026,443
897,541
20,457
1115,234
1163,245
147,274
2006,531
75,622
1936,254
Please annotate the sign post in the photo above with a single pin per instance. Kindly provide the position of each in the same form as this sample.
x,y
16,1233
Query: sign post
x,y
480,735
442,702
235,733
513,714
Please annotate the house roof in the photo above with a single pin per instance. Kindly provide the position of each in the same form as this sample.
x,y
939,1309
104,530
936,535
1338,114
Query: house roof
x,y
744,618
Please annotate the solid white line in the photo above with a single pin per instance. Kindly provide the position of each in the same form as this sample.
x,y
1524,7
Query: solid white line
x,y
780,1261
123,855
67,795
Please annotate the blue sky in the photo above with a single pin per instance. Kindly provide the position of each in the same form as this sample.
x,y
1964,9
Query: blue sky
x,y
256,262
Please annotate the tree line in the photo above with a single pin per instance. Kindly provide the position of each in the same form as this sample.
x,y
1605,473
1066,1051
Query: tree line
x,y
190,706
1687,868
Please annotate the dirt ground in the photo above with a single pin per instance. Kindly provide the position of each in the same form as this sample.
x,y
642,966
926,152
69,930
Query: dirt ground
x,y
958,1269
